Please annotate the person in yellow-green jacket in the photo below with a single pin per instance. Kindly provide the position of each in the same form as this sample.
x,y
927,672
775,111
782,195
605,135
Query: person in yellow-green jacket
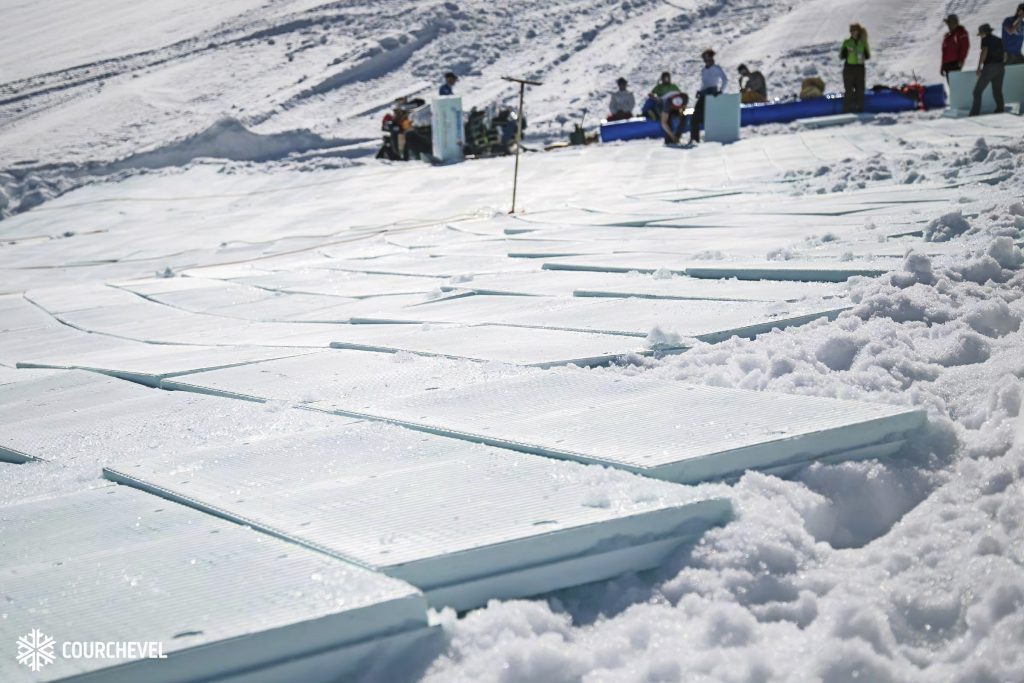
x,y
854,53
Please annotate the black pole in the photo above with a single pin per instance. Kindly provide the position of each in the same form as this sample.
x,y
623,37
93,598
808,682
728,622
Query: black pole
x,y
519,137
519,132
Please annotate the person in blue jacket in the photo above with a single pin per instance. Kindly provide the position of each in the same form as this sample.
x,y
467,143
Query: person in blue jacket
x,y
1013,36
447,88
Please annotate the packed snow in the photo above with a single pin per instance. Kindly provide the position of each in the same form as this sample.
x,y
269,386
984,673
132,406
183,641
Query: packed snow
x,y
201,177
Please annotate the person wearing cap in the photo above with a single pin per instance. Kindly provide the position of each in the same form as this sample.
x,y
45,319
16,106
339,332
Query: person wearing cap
x,y
673,108
1013,36
652,107
753,88
854,52
990,70
955,45
621,104
447,88
712,82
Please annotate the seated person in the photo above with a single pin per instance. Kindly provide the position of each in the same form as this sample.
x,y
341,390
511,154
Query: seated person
x,y
753,87
812,87
621,104
655,98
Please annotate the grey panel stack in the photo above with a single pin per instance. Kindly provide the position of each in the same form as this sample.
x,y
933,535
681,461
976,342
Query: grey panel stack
x,y
116,564
664,429
465,523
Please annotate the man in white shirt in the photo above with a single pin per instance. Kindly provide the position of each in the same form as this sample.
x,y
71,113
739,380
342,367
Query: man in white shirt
x,y
712,82
622,102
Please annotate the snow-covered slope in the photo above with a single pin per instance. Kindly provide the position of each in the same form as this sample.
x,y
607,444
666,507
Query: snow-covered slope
x,y
136,75
903,570
85,86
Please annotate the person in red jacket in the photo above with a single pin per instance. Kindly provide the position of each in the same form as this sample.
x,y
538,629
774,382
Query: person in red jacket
x,y
955,45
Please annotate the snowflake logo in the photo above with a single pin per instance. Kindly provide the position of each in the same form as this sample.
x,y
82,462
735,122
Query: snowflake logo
x,y
35,650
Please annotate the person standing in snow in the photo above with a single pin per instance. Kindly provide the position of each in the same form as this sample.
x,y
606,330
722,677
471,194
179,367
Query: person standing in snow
x,y
854,52
753,87
396,124
448,87
621,104
990,70
1013,36
955,45
712,83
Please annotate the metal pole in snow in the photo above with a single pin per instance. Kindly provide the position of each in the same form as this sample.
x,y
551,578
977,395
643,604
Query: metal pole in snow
x,y
519,131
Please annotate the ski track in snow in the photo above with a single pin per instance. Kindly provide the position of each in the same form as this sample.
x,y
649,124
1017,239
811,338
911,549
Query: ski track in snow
x,y
907,570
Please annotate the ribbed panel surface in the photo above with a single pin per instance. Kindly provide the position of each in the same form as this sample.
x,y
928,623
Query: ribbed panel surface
x,y
343,376
641,423
80,416
138,568
388,497
521,346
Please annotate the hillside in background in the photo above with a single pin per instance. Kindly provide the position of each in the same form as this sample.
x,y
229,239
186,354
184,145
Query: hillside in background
x,y
114,78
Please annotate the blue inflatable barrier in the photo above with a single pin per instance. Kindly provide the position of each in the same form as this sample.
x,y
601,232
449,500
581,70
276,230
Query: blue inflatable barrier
x,y
637,128
882,101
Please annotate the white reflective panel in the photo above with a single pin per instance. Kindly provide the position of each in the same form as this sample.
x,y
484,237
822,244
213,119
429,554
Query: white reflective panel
x,y
149,363
682,287
700,319
433,266
495,225
16,345
804,270
621,263
18,315
664,429
517,345
140,320
828,121
708,321
544,282
340,283
15,375
898,247
463,522
371,307
63,299
88,418
475,308
115,564
342,377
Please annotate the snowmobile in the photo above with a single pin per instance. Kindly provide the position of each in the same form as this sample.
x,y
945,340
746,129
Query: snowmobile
x,y
492,131
407,133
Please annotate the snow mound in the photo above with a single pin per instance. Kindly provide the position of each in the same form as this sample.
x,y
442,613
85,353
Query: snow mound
x,y
946,227
227,139
25,188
